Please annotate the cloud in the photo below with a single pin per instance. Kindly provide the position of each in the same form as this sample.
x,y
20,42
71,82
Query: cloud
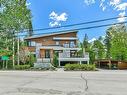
x,y
102,5
122,18
57,19
89,2
92,40
28,3
121,7
115,2
116,5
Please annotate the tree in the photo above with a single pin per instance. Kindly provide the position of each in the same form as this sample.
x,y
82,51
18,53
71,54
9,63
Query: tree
x,y
98,47
109,34
85,43
14,18
115,42
119,46
24,53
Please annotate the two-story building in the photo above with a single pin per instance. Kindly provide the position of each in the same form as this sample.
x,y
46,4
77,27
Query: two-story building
x,y
64,43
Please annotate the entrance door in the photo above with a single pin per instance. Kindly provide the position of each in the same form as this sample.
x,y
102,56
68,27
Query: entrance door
x,y
47,53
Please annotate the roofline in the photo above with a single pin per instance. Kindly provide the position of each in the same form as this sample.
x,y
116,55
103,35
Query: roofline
x,y
50,34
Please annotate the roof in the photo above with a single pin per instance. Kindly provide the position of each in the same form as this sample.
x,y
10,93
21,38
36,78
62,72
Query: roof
x,y
50,34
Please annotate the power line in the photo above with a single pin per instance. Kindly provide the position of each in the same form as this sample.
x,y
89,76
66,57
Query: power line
x,y
77,24
77,29
89,22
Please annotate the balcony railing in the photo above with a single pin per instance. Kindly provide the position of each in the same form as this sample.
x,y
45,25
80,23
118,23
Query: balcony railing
x,y
68,55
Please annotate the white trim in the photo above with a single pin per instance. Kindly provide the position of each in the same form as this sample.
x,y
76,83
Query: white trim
x,y
73,59
58,48
65,38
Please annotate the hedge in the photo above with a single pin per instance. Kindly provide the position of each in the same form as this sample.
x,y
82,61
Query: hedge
x,y
80,67
22,67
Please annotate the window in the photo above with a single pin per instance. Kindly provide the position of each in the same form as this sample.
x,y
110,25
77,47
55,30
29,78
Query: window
x,y
57,43
72,44
31,43
66,45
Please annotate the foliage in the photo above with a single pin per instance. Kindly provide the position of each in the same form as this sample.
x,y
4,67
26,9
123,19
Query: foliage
x,y
119,46
9,64
4,52
15,17
116,42
112,46
23,55
85,43
32,59
80,67
92,56
99,49
55,60
22,67
107,41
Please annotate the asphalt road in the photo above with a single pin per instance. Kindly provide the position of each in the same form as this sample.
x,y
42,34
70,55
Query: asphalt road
x,y
63,83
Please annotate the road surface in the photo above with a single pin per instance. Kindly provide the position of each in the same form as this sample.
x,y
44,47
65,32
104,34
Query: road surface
x,y
103,82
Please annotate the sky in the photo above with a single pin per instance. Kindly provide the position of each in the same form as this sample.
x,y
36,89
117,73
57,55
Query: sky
x,y
53,13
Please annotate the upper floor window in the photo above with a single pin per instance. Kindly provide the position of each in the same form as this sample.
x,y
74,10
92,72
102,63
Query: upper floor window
x,y
66,45
57,42
72,44
31,43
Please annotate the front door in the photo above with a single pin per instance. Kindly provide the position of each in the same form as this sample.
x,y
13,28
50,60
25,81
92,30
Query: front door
x,y
47,53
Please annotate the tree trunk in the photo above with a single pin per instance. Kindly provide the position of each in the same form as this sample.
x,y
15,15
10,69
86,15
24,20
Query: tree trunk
x,y
18,50
13,50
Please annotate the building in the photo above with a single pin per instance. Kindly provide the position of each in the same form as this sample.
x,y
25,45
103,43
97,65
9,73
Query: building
x,y
110,64
65,44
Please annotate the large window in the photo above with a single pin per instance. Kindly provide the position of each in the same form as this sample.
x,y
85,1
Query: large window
x,y
66,45
72,44
31,43
57,42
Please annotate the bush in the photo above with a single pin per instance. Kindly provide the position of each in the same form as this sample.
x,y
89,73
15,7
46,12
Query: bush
x,y
22,67
55,60
80,67
31,60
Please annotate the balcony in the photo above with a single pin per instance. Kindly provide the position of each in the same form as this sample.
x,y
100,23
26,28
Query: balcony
x,y
67,54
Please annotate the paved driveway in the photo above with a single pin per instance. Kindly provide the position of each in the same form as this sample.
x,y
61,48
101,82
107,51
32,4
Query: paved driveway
x,y
63,83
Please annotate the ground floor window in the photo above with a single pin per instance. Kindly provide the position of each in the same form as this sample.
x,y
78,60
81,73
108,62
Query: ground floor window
x,y
47,53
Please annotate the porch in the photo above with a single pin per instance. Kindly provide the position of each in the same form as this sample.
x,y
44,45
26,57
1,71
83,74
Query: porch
x,y
64,54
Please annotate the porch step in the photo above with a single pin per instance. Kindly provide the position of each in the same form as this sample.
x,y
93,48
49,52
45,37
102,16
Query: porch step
x,y
39,60
44,60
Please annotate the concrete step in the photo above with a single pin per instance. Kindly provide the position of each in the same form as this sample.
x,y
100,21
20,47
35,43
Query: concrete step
x,y
39,60
46,60
42,65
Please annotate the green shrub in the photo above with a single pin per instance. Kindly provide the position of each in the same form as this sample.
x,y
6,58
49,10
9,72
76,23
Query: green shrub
x,y
32,60
22,67
55,60
80,67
